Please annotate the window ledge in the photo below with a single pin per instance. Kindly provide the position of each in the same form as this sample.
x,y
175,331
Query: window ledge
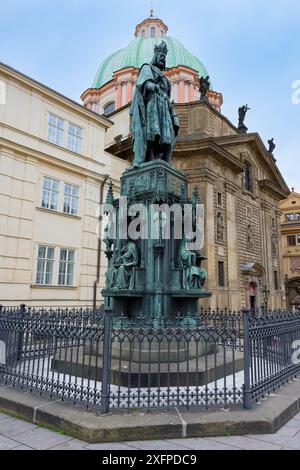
x,y
63,214
249,193
40,286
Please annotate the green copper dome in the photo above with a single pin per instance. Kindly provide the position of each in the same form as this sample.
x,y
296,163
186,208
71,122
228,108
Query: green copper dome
x,y
140,51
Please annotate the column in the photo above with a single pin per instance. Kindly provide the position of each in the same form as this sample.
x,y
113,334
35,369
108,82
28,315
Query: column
x,y
234,300
191,92
129,91
119,95
181,91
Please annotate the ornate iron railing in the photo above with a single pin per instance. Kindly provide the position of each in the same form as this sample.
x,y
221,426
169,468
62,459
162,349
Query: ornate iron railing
x,y
212,359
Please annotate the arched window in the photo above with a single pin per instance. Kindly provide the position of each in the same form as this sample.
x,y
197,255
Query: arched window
x,y
152,32
143,33
109,108
247,177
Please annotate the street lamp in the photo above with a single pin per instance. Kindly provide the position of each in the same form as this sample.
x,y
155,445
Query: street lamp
x,y
266,295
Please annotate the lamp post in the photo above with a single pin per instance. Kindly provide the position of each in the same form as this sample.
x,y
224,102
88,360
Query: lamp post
x,y
266,295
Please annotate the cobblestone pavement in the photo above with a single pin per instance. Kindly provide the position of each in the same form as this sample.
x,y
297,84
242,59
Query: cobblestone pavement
x,y
16,434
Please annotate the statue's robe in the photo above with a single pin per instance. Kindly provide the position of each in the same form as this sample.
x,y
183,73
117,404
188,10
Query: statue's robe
x,y
124,276
153,115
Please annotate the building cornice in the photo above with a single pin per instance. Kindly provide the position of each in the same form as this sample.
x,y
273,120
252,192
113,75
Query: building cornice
x,y
54,95
38,155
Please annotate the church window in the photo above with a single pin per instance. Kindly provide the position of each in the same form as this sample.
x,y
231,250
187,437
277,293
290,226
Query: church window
x,y
221,273
220,227
219,199
152,32
109,108
291,240
247,177
143,33
276,280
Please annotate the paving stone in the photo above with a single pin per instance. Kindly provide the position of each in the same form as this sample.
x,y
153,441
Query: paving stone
x,y
22,448
7,444
12,426
247,443
203,444
288,431
277,439
41,439
113,446
3,416
156,445
74,444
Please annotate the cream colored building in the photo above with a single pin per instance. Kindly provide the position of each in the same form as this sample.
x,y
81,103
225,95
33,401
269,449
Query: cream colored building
x,y
52,168
290,241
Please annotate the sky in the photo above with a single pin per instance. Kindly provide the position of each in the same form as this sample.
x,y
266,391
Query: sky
x,y
251,49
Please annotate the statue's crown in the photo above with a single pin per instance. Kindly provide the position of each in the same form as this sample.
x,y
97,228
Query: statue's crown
x,y
162,47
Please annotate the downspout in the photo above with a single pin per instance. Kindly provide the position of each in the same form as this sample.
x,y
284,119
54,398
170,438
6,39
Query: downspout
x,y
99,242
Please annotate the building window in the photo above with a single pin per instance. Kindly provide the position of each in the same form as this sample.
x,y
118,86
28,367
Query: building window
x,y
109,108
75,138
220,227
219,199
274,245
55,130
276,281
66,268
247,177
50,193
45,262
292,217
143,33
221,273
71,196
291,240
152,32
298,239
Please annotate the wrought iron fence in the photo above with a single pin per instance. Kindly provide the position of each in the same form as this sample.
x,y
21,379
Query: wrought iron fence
x,y
213,359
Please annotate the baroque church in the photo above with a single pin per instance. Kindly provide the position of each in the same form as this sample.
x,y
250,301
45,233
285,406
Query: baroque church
x,y
239,181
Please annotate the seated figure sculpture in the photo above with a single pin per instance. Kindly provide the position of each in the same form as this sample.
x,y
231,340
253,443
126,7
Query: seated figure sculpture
x,y
120,274
193,276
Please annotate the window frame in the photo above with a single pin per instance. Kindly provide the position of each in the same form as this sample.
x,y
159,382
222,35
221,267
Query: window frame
x,y
56,267
72,197
50,125
75,148
221,274
49,191
67,262
45,260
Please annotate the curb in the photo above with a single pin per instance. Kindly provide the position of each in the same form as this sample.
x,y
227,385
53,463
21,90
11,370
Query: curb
x,y
266,417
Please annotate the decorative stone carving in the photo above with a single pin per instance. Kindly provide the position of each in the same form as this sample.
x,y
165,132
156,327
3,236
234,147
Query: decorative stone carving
x,y
220,227
250,238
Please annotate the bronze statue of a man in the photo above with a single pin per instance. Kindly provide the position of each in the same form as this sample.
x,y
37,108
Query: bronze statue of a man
x,y
155,124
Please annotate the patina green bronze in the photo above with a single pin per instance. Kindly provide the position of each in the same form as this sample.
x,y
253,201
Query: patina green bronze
x,y
155,124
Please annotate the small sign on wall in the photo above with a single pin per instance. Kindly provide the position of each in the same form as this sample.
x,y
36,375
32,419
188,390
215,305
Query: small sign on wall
x,y
2,92
2,353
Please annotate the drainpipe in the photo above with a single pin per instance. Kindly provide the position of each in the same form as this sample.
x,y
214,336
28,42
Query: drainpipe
x,y
99,242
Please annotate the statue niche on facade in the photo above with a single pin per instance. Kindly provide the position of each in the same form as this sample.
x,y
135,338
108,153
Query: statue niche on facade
x,y
193,276
155,124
